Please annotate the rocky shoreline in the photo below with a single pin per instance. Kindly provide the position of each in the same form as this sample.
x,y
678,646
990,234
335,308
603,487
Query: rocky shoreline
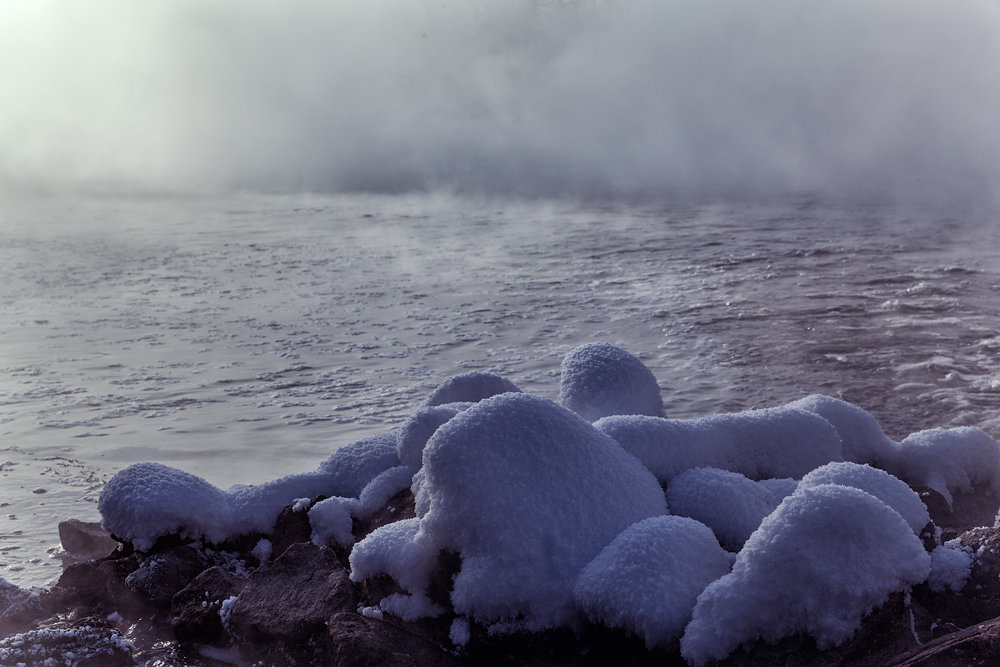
x,y
279,599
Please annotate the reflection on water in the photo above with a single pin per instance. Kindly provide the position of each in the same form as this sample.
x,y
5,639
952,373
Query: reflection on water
x,y
247,337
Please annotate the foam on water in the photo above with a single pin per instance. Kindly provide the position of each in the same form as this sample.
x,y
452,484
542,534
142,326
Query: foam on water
x,y
242,338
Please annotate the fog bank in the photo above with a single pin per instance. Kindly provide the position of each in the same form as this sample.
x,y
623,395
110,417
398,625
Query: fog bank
x,y
889,99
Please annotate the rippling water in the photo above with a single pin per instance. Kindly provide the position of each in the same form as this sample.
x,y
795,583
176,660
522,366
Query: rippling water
x,y
247,337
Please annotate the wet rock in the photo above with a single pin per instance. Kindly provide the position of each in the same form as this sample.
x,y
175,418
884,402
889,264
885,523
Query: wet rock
x,y
360,641
288,600
195,609
87,642
291,527
83,539
162,575
19,608
968,510
98,586
400,506
979,644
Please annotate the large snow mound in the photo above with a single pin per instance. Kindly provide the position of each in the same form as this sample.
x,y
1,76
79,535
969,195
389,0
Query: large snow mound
x,y
527,493
599,379
773,442
892,491
648,579
948,460
470,387
862,436
729,503
823,559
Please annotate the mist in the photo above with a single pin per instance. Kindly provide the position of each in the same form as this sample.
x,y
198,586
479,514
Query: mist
x,y
876,99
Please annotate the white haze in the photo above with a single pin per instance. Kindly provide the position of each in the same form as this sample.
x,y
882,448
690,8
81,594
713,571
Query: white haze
x,y
885,99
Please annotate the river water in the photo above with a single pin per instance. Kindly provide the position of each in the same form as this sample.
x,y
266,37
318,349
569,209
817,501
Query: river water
x,y
245,337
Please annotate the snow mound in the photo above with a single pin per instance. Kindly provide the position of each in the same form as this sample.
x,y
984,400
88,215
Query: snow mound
x,y
892,491
395,550
781,487
948,460
647,580
773,442
950,567
727,502
527,493
420,427
823,559
148,500
599,379
862,436
470,388
351,467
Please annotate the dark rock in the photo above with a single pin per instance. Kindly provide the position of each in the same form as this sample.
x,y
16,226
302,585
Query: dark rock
x,y
979,644
19,608
195,609
86,642
290,528
288,600
98,586
161,575
82,539
359,641
967,510
400,506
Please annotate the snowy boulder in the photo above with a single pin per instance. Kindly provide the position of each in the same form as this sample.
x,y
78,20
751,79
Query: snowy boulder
x,y
862,436
948,460
774,442
419,428
892,491
470,388
827,556
148,500
599,379
527,493
648,579
351,468
729,503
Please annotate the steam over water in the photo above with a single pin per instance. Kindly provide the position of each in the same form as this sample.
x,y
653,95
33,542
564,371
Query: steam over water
x,y
759,199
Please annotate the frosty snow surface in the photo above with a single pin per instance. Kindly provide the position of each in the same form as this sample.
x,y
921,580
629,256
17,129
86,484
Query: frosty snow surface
x,y
557,519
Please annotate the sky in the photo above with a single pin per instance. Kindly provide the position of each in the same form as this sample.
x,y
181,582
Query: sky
x,y
884,99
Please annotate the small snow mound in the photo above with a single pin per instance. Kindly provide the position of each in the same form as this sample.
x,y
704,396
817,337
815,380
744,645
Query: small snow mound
x,y
950,568
331,522
773,442
781,487
892,491
599,379
948,460
527,493
460,632
470,387
647,580
351,468
394,549
418,430
862,435
729,503
148,500
410,607
827,556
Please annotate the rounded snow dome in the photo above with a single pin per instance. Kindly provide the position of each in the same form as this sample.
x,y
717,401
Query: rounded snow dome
x,y
600,380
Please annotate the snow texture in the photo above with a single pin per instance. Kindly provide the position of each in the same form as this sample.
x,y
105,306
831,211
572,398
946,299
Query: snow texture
x,y
823,559
948,460
950,567
892,491
460,632
729,503
148,500
773,442
527,493
420,427
410,607
648,579
780,486
470,388
599,379
331,522
395,550
862,436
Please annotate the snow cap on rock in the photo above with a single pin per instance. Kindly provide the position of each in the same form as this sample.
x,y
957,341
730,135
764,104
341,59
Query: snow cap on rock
x,y
773,442
862,436
647,580
599,379
420,427
470,387
827,556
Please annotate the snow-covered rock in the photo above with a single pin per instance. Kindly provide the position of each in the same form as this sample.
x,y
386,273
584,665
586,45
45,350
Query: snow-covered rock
x,y
599,379
862,436
773,442
948,460
470,387
729,503
420,427
823,559
892,491
647,580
